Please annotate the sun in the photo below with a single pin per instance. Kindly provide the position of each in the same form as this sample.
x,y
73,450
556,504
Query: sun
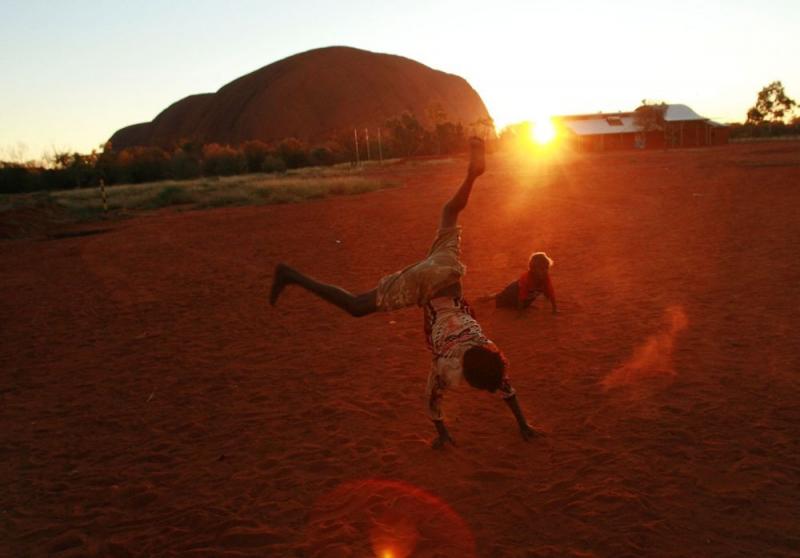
x,y
542,131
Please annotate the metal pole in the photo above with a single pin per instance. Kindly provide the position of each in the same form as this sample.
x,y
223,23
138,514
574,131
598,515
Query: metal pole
x,y
355,138
366,139
380,149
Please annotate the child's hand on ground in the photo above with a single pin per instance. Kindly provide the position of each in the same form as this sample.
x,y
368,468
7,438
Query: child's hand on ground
x,y
529,433
442,440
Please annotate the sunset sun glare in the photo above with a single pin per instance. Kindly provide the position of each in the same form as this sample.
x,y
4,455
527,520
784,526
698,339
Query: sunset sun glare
x,y
542,131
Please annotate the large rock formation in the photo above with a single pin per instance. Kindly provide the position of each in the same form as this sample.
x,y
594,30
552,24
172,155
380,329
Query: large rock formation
x,y
311,96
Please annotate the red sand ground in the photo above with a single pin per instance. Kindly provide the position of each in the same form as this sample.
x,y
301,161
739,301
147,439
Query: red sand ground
x,y
153,404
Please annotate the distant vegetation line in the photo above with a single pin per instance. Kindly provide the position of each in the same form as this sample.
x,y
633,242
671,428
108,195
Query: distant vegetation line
x,y
403,136
254,189
765,130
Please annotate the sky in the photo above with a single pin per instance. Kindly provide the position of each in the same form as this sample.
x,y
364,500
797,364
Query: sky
x,y
72,73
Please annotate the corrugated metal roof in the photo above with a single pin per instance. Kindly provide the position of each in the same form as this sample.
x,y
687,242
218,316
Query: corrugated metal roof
x,y
600,125
680,112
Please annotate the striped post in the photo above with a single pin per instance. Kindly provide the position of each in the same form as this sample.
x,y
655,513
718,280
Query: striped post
x,y
103,195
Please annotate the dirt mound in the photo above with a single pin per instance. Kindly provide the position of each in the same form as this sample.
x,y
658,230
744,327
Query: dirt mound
x,y
311,96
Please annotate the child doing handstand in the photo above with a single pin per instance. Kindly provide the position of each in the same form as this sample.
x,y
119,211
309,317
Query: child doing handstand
x,y
459,347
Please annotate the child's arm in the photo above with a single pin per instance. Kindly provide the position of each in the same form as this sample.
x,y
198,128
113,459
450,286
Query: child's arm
x,y
527,431
443,435
435,394
551,295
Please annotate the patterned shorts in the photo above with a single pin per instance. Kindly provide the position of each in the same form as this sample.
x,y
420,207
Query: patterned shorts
x,y
415,284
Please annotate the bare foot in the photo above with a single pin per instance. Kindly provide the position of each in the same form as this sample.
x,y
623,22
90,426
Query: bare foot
x,y
279,282
477,157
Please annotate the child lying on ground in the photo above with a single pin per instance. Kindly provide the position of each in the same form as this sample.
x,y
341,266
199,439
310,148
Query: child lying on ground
x,y
522,292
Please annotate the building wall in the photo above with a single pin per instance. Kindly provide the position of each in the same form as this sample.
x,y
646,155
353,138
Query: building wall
x,y
675,135
616,142
720,135
695,134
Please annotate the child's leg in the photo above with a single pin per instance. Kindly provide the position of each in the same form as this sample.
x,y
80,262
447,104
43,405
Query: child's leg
x,y
477,166
355,305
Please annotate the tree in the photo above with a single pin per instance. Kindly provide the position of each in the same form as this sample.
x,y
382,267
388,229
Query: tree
x,y
77,170
483,127
650,116
437,116
450,137
517,135
407,134
772,105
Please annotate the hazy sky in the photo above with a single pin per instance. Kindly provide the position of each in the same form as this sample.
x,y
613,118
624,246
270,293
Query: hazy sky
x,y
72,73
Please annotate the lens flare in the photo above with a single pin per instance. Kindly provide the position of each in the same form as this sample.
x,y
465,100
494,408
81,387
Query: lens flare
x,y
385,519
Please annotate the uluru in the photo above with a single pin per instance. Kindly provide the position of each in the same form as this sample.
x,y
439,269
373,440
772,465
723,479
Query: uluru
x,y
311,96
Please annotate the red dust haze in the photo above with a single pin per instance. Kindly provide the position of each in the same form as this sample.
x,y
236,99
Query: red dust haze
x,y
653,358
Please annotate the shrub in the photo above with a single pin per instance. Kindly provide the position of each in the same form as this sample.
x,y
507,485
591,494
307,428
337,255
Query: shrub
x,y
142,164
273,164
184,165
293,153
171,195
322,156
107,166
15,178
255,153
222,160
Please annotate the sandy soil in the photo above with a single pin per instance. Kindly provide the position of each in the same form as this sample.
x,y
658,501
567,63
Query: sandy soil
x,y
153,404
